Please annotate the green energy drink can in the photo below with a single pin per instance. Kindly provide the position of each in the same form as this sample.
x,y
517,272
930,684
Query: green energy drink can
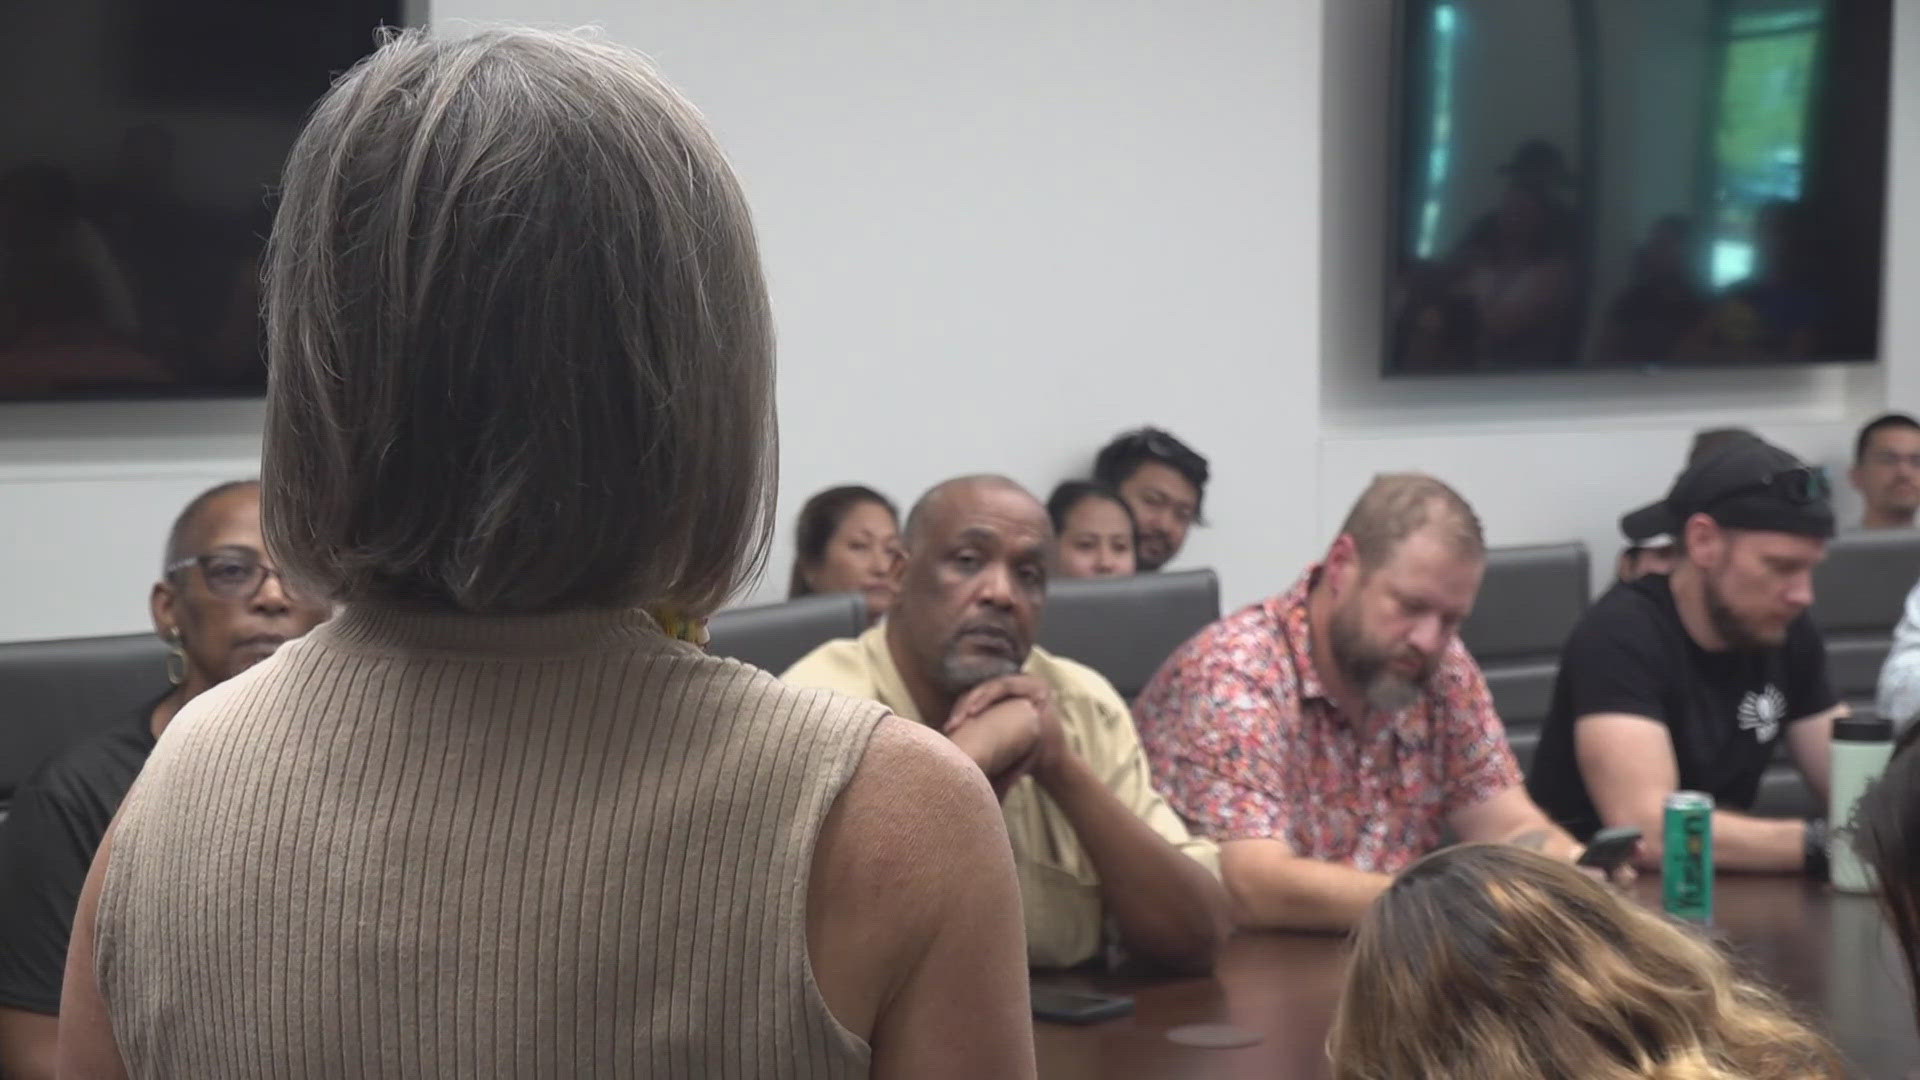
x,y
1686,878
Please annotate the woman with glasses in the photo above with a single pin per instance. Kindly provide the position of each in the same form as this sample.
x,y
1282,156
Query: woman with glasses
x,y
495,818
221,607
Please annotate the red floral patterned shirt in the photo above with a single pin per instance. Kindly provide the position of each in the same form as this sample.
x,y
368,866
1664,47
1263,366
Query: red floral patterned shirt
x,y
1245,744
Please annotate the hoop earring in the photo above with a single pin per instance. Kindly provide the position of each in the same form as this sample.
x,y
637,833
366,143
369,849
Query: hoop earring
x,y
176,657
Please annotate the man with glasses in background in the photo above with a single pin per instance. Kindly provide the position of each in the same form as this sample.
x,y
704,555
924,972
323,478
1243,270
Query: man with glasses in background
x,y
1164,482
221,607
1689,681
1886,471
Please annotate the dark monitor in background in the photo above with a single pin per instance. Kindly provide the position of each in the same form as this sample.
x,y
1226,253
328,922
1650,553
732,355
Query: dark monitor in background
x,y
1636,183
139,143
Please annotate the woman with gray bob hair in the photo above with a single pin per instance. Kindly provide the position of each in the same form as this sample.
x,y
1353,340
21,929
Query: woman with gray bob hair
x,y
495,818
522,356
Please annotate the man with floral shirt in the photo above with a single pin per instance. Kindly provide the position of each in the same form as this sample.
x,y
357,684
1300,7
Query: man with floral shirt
x,y
1330,736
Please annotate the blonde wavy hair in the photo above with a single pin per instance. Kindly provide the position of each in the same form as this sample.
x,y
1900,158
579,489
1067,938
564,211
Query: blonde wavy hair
x,y
1493,963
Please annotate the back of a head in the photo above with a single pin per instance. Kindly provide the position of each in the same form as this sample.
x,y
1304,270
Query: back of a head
x,y
1494,963
1397,505
519,345
1887,836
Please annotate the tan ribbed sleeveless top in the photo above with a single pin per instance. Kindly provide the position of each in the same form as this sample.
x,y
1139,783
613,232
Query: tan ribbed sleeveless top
x,y
418,843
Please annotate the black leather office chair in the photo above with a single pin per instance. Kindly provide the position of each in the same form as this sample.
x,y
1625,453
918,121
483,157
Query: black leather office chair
x,y
1126,627
1858,595
772,637
1529,602
55,693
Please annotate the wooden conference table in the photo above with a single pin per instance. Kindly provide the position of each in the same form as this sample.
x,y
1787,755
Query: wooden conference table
x,y
1830,955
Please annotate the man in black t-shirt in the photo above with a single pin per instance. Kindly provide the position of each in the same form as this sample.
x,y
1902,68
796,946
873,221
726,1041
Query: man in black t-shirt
x,y
222,607
1688,681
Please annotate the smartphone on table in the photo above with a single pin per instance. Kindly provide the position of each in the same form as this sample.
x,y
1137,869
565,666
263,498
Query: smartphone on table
x,y
1066,1006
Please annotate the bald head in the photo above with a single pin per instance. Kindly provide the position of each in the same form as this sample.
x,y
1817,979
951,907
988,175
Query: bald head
x,y
205,514
971,587
936,509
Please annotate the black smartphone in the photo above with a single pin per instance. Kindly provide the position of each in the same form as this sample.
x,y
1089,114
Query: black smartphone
x,y
1611,848
1064,1006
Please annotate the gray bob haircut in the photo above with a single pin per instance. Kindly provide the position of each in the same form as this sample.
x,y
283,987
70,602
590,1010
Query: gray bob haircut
x,y
520,351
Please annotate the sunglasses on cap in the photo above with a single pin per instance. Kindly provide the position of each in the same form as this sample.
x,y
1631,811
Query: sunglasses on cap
x,y
1798,486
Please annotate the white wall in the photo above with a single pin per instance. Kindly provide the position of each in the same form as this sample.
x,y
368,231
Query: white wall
x,y
998,232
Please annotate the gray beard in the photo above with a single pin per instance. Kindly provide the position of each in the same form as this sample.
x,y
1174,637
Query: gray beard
x,y
1387,692
959,675
1384,690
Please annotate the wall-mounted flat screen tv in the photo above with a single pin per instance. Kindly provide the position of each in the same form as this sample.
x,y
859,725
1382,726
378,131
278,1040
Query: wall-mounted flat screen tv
x,y
1582,184
140,141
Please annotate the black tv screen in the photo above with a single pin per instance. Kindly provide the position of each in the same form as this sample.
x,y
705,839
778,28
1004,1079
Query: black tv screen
x,y
1585,184
140,141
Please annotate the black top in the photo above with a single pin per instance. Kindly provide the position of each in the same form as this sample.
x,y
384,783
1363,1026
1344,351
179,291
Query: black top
x,y
1724,710
46,845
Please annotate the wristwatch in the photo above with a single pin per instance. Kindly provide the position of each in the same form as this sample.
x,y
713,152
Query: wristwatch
x,y
1815,855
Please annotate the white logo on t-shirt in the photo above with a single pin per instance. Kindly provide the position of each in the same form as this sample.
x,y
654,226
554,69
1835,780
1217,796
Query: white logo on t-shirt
x,y
1761,712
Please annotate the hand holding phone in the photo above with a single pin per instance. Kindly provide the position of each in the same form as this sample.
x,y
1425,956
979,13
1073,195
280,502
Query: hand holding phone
x,y
1610,849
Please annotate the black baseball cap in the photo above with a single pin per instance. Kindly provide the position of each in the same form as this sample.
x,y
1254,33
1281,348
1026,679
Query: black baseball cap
x,y
1745,484
1650,526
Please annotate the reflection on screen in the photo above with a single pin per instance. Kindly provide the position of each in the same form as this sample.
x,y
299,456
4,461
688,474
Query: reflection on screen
x,y
139,143
1638,182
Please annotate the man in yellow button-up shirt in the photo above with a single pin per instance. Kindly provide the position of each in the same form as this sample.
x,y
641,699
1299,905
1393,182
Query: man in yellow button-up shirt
x,y
1091,838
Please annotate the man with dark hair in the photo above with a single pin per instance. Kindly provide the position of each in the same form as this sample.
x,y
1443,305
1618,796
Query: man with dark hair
x,y
1330,736
1886,471
221,607
1092,840
1164,482
1688,682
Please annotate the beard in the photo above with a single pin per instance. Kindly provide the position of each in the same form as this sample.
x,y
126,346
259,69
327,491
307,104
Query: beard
x,y
1738,632
1152,551
1367,665
961,671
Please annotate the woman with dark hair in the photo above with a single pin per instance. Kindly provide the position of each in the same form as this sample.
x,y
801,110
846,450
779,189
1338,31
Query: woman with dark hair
x,y
847,540
1491,962
1093,530
494,819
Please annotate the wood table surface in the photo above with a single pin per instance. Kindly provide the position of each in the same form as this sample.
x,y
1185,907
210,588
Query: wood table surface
x,y
1829,954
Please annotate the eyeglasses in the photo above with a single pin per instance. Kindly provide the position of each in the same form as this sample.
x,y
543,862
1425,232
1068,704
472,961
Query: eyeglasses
x,y
232,575
1798,486
1889,459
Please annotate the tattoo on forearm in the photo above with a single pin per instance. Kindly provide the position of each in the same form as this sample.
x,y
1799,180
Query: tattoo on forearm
x,y
1532,840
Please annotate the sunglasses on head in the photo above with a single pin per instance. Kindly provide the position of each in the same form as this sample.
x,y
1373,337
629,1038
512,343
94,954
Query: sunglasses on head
x,y
1798,486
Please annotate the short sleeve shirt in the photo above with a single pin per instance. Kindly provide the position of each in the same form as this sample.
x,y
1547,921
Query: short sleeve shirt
x,y
1724,711
47,843
1059,885
1246,744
